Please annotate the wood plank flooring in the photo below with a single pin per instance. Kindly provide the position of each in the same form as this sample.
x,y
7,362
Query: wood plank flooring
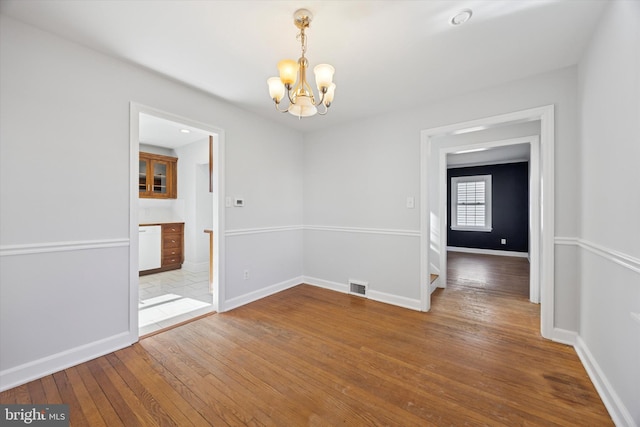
x,y
312,357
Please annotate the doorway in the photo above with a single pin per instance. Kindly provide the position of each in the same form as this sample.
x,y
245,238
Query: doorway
x,y
166,298
433,192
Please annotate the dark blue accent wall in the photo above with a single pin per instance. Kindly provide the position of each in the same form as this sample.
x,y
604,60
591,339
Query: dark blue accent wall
x,y
510,208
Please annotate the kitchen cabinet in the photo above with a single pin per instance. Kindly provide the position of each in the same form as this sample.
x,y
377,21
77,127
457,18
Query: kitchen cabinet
x,y
157,176
170,247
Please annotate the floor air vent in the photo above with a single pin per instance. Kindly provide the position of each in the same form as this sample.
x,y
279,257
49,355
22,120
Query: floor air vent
x,y
358,288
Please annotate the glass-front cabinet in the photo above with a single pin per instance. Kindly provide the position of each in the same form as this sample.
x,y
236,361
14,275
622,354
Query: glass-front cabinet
x,y
157,176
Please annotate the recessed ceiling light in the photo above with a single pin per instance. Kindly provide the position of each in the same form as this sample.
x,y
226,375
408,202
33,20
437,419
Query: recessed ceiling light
x,y
461,17
185,131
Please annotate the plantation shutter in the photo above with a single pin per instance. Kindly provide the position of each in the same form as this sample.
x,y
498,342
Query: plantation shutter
x,y
471,203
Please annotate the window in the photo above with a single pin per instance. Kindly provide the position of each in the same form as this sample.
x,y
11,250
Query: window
x,y
471,203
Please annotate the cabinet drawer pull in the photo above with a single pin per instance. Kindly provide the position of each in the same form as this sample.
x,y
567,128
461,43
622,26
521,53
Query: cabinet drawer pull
x,y
173,241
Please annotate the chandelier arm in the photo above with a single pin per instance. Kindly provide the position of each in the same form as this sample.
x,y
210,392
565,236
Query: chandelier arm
x,y
326,109
322,94
286,110
291,101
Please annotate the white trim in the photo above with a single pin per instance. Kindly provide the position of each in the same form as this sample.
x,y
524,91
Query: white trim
x,y
564,336
49,247
386,231
425,229
617,257
261,293
617,409
410,303
135,109
543,259
22,374
568,241
326,284
488,252
260,230
471,228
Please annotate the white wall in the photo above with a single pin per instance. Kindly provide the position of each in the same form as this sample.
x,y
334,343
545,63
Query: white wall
x,y
609,88
65,186
358,177
190,158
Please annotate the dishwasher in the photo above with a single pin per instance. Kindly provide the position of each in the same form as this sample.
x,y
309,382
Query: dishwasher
x,y
150,247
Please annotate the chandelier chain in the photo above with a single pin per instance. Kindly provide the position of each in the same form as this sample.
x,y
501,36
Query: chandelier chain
x,y
302,38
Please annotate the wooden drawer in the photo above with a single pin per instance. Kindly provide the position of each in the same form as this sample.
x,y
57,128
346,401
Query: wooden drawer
x,y
171,260
172,228
171,241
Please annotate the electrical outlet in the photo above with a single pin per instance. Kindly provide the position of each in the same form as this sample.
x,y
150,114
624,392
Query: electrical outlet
x,y
503,241
245,275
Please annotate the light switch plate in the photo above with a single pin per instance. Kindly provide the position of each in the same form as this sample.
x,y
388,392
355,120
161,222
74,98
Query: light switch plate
x,y
228,202
411,202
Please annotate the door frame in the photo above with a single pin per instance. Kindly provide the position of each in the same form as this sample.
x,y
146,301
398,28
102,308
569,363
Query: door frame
x,y
433,223
533,215
135,110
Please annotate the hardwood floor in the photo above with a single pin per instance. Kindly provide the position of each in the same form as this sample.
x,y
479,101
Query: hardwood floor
x,y
312,357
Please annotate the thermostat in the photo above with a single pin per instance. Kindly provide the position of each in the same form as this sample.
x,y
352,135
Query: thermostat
x,y
239,202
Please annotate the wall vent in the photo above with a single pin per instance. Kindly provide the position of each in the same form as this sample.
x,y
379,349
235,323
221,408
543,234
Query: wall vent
x,y
357,287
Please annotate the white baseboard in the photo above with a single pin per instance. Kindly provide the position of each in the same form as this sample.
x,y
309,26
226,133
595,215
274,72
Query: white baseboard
x,y
413,304
488,252
22,374
326,284
434,285
617,410
236,302
564,336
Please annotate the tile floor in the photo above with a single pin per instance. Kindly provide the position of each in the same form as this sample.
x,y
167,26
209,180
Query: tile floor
x,y
171,297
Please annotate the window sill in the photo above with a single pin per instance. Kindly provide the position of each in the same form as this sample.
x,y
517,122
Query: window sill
x,y
481,229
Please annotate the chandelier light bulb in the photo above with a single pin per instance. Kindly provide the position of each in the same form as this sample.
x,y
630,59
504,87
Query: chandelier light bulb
x,y
276,89
288,69
324,75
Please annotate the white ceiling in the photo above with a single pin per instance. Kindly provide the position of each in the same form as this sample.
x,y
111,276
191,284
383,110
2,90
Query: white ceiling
x,y
166,133
388,55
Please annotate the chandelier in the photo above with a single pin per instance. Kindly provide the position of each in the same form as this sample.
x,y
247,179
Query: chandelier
x,y
302,102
